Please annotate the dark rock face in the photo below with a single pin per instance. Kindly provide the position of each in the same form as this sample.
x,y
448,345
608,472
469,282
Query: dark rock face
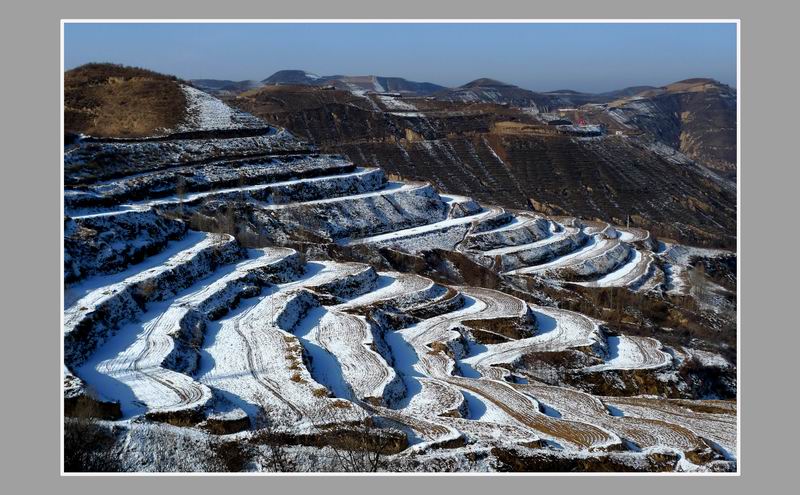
x,y
83,405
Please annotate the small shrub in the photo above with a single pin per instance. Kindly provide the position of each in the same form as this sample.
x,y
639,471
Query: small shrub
x,y
89,447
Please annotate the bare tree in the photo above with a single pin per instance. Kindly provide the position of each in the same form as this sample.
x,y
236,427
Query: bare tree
x,y
180,191
279,458
360,447
89,446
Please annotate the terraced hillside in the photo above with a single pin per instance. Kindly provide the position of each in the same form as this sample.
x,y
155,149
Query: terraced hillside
x,y
262,306
503,154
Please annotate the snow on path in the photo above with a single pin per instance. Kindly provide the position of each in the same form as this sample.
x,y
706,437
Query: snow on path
x,y
127,368
525,409
480,304
418,231
133,358
718,427
395,287
632,235
517,222
557,330
588,250
562,234
205,112
394,103
410,354
388,189
681,254
272,374
77,291
90,302
492,423
629,352
359,174
418,364
645,433
627,273
342,360
498,304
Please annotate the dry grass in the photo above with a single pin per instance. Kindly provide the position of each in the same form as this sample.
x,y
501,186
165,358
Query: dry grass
x,y
110,100
520,129
341,404
438,347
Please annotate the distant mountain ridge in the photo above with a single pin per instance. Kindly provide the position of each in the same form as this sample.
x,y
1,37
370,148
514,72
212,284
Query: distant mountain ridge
x,y
224,86
487,82
696,116
359,84
291,76
353,83
487,90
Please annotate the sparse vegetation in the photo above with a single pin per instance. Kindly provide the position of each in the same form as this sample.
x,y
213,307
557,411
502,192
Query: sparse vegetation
x,y
110,100
89,446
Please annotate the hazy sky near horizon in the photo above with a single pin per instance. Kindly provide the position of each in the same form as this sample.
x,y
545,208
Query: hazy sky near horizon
x,y
540,57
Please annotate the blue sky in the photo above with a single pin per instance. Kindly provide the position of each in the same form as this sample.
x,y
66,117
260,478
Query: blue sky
x,y
583,57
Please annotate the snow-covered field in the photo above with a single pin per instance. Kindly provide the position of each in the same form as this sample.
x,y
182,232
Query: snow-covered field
x,y
633,353
396,104
205,112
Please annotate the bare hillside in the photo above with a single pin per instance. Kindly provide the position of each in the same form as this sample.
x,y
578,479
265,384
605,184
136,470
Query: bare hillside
x,y
116,101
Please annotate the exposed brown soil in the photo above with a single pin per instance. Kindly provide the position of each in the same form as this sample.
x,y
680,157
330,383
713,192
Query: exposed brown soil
x,y
108,100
